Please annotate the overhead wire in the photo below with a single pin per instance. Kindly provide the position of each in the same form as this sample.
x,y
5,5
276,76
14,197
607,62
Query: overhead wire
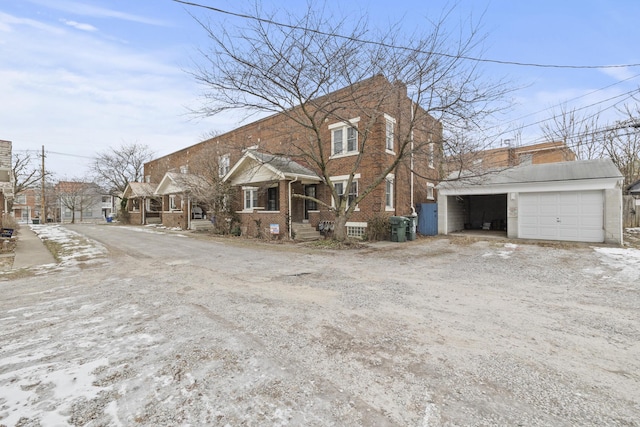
x,y
392,46
627,95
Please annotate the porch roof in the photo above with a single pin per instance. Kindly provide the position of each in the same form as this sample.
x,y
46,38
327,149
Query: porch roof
x,y
175,183
255,167
139,190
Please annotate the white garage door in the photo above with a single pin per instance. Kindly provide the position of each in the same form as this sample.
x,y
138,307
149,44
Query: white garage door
x,y
569,215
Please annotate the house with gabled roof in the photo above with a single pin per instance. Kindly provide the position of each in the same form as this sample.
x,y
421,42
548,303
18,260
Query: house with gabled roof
x,y
143,205
278,189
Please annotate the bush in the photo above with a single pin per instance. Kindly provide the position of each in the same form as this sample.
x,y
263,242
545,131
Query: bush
x,y
377,228
9,221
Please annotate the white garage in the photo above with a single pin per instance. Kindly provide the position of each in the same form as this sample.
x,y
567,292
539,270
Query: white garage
x,y
577,201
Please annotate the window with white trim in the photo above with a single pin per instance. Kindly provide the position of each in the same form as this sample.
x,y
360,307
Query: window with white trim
x,y
344,138
172,203
430,191
388,193
223,165
340,184
431,155
21,199
184,169
390,124
250,198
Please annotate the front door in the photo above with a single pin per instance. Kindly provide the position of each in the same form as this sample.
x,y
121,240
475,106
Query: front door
x,y
309,205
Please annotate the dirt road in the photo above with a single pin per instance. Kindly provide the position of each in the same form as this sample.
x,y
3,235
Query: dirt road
x,y
170,330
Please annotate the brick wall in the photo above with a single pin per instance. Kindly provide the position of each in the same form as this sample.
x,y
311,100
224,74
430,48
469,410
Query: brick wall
x,y
279,135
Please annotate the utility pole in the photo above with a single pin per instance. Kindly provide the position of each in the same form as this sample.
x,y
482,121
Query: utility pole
x,y
43,214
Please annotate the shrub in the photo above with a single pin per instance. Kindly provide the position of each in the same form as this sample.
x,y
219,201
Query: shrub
x,y
377,228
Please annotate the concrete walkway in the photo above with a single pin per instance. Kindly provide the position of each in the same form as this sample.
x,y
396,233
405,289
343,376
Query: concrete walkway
x,y
30,251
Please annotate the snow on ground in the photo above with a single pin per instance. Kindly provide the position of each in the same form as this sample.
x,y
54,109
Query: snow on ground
x,y
72,247
505,254
624,260
154,229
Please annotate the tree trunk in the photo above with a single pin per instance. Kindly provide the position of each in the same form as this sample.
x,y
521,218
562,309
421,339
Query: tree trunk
x,y
340,230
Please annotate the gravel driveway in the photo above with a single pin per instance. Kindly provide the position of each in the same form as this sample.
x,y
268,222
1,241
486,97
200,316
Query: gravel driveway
x,y
169,330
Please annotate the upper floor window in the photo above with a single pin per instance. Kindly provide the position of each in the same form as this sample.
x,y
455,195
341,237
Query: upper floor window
x,y
431,154
21,199
344,137
390,124
223,165
184,169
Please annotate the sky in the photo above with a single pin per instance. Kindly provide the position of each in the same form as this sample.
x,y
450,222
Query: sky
x,y
81,77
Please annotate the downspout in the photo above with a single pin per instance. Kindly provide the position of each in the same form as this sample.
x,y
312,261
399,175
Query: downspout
x,y
411,162
188,212
290,210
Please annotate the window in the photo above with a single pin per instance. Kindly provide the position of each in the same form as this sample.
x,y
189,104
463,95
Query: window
x,y
21,199
430,191
389,192
272,199
250,198
105,199
223,165
431,155
344,138
172,203
135,205
390,132
184,169
340,184
356,229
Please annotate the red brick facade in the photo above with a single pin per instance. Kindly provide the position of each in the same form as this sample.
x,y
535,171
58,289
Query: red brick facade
x,y
280,135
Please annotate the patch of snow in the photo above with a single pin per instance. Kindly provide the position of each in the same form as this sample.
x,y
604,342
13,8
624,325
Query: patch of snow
x,y
624,260
73,247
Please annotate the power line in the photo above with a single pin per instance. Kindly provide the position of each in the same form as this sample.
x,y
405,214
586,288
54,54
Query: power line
x,y
71,155
391,46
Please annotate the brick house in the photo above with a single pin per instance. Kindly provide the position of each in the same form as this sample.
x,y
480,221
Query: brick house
x,y
6,176
267,165
143,205
505,157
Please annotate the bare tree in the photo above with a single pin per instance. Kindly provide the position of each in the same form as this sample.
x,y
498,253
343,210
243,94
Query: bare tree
x,y
77,195
622,144
26,173
118,166
297,69
581,131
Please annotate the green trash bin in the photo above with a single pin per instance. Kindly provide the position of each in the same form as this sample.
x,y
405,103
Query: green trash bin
x,y
412,225
35,220
398,228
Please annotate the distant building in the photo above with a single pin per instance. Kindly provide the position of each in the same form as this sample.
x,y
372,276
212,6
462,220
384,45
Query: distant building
x,y
82,201
6,177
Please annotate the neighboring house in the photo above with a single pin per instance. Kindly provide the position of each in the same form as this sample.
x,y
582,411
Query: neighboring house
x,y
572,201
82,201
634,190
26,205
260,161
6,177
178,206
143,205
505,157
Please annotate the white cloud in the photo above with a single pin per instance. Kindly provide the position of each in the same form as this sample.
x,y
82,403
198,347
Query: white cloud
x,y
83,9
79,26
621,73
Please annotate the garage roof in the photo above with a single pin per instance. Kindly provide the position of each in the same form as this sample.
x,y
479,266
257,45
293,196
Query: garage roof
x,y
600,172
